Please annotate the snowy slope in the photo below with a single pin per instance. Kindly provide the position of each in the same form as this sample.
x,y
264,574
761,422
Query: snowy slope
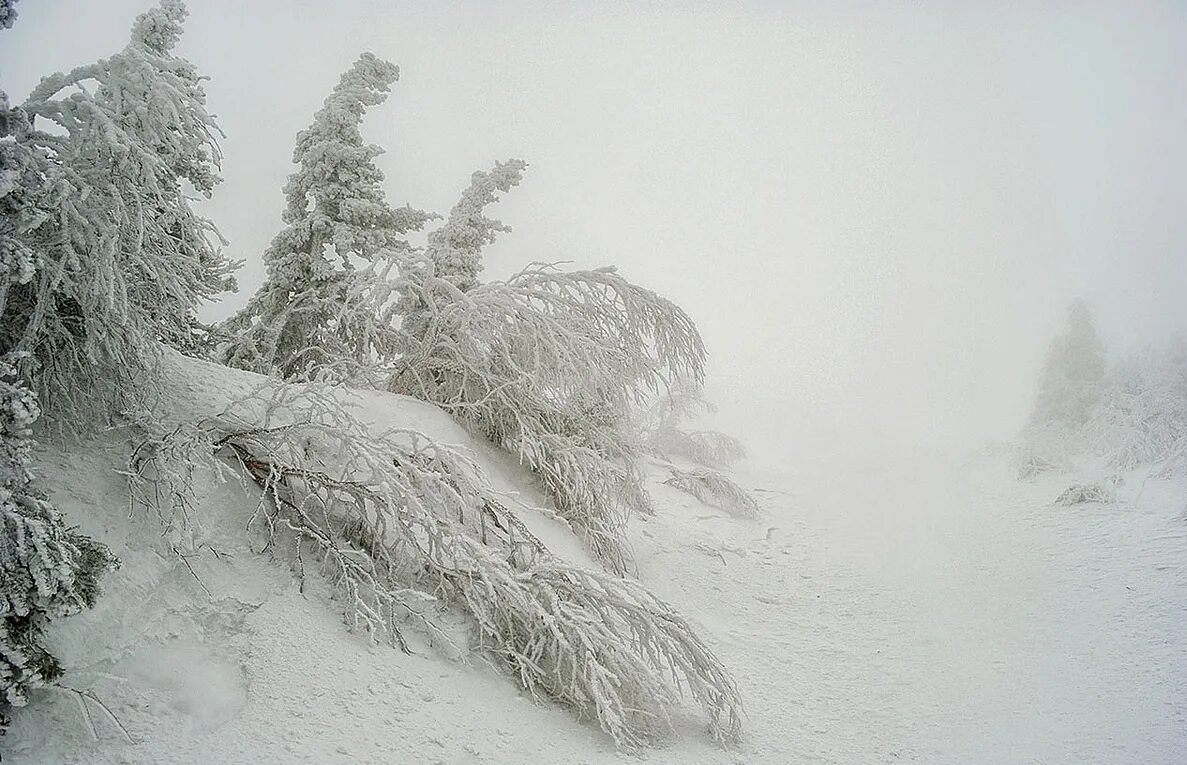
x,y
920,608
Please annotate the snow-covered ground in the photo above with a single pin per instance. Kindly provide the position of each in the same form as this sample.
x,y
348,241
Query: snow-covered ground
x,y
917,607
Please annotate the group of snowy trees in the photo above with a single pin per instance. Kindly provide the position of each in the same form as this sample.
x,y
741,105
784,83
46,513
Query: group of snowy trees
x,y
547,364
103,264
1128,413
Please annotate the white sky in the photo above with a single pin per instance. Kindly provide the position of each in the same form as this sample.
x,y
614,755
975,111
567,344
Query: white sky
x,y
876,212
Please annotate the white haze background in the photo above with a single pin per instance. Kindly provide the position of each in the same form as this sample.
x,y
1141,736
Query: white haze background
x,y
877,213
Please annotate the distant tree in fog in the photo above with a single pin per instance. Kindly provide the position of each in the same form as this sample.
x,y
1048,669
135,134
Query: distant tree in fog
x,y
1070,385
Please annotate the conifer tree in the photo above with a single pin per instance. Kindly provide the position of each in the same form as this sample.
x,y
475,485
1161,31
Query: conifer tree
x,y
327,301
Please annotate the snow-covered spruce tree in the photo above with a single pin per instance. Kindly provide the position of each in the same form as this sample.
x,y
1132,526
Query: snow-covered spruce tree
x,y
46,570
103,257
405,528
547,364
327,304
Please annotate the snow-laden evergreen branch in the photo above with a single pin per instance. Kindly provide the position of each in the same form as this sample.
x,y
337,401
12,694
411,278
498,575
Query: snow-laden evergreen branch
x,y
99,203
47,571
548,365
715,489
404,526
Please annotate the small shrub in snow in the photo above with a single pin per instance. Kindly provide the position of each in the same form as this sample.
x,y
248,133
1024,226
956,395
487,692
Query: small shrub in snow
x,y
1079,494
1031,466
403,526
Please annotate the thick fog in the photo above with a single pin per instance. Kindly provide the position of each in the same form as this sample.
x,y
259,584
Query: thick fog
x,y
876,213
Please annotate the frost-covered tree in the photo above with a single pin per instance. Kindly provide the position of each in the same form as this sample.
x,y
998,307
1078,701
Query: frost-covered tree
x,y
454,251
7,13
102,256
547,364
46,570
327,301
1071,376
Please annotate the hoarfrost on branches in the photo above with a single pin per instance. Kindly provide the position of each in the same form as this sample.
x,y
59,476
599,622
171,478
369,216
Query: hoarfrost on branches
x,y
403,526
549,364
98,206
